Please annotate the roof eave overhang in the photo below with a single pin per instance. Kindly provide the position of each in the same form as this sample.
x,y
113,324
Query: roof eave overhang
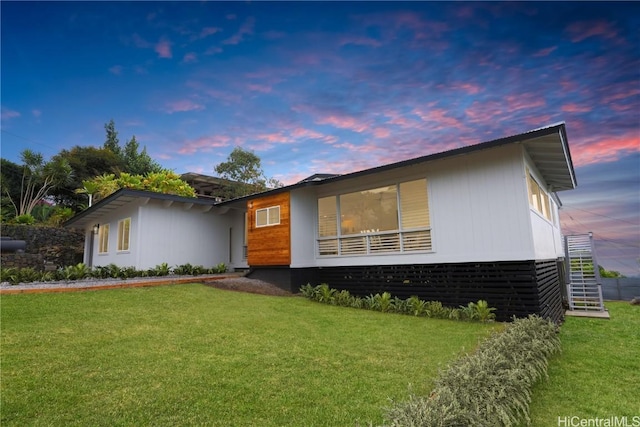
x,y
96,213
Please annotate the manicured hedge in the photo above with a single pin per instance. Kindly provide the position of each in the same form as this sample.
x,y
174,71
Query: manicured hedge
x,y
414,306
491,387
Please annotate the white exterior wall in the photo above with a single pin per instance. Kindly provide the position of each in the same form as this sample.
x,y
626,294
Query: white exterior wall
x,y
177,236
547,236
479,210
173,234
122,259
304,220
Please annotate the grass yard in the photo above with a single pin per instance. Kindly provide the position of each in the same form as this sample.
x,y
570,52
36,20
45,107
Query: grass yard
x,y
196,355
597,375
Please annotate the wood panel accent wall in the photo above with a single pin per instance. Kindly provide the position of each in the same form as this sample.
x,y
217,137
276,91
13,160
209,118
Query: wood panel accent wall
x,y
270,245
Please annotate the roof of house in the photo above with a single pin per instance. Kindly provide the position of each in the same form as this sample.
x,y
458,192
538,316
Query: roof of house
x,y
114,201
547,147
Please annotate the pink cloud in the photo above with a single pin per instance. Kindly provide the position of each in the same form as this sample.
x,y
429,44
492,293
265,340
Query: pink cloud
x,y
163,49
524,101
545,52
470,88
245,29
343,122
36,113
259,88
575,108
213,50
438,117
7,114
189,57
182,106
583,30
204,144
208,31
601,149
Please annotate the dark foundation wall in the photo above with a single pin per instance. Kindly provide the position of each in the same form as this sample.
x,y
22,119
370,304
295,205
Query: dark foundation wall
x,y
515,288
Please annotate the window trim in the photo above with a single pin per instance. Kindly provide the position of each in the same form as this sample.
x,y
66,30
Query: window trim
x,y
121,229
375,242
544,204
268,211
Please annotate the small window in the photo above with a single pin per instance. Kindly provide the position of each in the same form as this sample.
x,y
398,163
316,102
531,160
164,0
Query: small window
x,y
124,229
538,198
103,239
268,216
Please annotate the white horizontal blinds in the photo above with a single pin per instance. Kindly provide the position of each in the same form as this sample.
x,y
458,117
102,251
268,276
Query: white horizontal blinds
x,y
414,204
369,211
394,218
353,245
389,242
414,209
327,217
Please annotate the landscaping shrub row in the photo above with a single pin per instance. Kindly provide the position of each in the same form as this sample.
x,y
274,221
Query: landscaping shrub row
x,y
80,271
491,387
384,302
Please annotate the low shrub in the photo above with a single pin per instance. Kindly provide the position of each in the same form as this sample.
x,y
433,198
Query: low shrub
x,y
491,387
80,271
386,303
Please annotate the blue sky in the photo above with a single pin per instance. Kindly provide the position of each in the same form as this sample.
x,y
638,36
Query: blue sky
x,y
335,87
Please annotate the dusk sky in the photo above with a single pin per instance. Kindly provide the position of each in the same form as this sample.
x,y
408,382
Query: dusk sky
x,y
333,87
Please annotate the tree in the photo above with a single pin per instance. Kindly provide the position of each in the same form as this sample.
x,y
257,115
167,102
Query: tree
x,y
38,178
138,163
131,159
112,142
244,168
167,182
11,184
86,163
610,273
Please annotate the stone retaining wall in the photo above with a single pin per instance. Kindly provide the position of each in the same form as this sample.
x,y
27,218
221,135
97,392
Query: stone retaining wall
x,y
53,246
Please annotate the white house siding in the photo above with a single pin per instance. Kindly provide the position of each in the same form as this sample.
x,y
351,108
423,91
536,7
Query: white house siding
x,y
179,234
125,258
236,221
304,208
547,236
479,209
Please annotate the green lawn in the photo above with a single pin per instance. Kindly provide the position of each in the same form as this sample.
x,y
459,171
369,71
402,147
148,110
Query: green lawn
x,y
597,375
195,355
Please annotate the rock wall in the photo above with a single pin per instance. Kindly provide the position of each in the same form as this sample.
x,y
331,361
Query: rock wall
x,y
52,246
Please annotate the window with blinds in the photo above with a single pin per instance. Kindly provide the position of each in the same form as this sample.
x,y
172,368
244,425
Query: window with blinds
x,y
394,218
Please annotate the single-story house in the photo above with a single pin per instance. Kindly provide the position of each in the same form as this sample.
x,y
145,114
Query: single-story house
x,y
477,222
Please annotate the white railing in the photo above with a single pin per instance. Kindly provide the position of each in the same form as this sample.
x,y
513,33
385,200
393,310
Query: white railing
x,y
371,243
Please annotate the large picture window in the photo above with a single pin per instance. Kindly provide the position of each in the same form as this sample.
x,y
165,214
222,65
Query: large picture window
x,y
393,218
124,230
103,239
